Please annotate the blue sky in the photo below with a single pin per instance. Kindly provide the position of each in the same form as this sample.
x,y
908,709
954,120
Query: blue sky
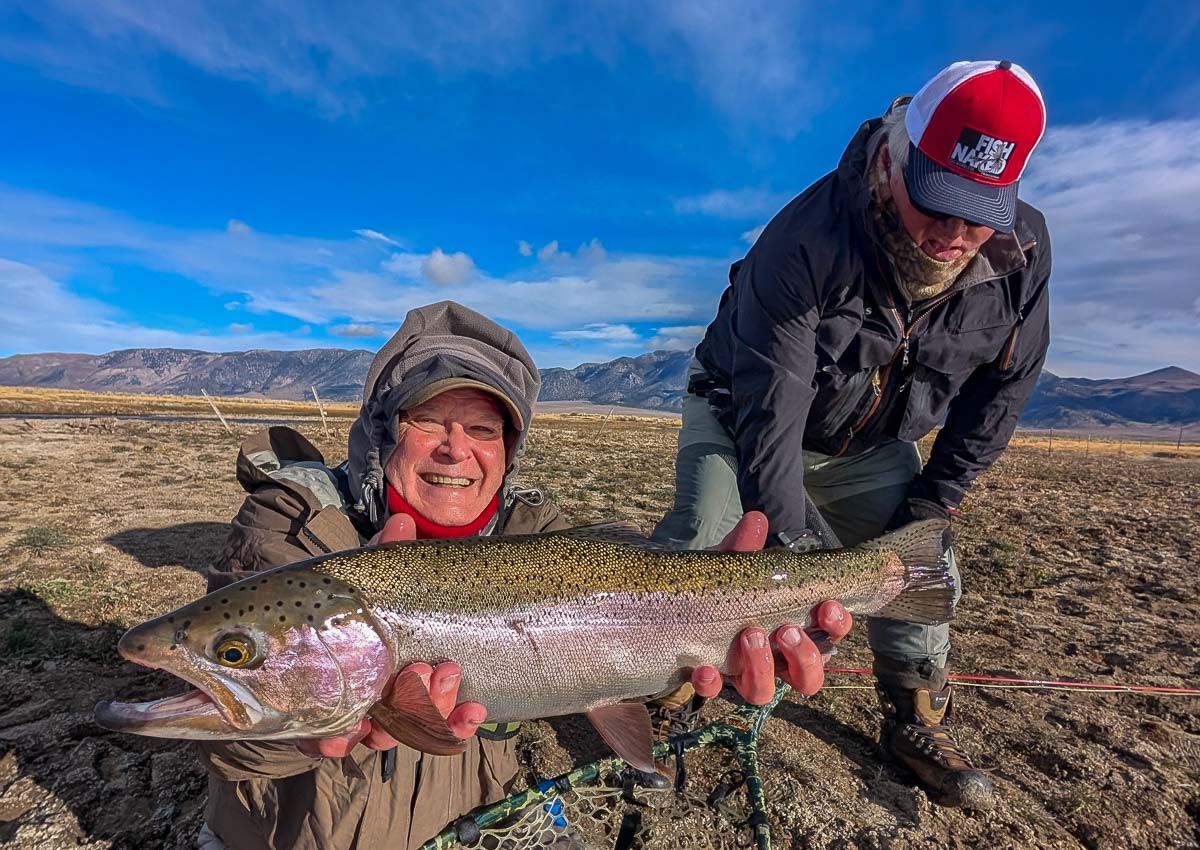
x,y
225,176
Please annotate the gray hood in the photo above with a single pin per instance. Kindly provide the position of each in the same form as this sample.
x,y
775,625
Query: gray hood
x,y
436,342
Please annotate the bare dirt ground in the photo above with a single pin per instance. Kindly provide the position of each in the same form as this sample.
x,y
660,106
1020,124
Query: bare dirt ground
x,y
1075,567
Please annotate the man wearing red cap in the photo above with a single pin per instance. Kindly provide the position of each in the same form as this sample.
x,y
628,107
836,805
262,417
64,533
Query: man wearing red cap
x,y
903,291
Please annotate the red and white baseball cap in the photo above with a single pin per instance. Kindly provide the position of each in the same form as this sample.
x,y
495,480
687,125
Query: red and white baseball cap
x,y
973,127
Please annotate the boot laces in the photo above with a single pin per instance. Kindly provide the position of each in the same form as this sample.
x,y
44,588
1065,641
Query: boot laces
x,y
936,742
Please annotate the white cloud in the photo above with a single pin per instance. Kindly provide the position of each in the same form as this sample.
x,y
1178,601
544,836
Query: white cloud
x,y
751,236
592,252
354,330
678,338
600,332
444,268
549,252
240,328
733,203
524,249
327,282
366,233
1120,203
236,227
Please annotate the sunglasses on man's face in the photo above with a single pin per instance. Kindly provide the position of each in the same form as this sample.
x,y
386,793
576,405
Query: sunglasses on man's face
x,y
939,216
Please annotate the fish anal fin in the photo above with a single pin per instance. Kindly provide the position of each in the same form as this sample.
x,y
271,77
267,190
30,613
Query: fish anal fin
x,y
626,728
409,716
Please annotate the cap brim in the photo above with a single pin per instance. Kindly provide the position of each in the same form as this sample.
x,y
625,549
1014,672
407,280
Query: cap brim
x,y
444,385
939,189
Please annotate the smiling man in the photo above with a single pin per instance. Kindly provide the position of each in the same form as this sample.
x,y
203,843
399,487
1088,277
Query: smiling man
x,y
905,290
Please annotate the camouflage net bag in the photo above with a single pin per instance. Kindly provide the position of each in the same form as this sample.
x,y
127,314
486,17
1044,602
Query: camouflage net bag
x,y
605,805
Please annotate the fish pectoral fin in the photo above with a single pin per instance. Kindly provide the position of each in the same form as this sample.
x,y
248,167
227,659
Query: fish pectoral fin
x,y
410,717
626,728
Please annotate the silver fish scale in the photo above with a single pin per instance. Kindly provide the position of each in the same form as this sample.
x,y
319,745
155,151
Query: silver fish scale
x,y
558,623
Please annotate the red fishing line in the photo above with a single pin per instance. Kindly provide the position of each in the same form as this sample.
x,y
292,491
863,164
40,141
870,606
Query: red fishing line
x,y
1001,681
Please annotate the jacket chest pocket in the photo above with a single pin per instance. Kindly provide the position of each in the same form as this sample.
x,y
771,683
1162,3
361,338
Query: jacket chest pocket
x,y
847,388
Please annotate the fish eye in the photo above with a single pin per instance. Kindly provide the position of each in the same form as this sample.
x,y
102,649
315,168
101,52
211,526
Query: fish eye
x,y
233,651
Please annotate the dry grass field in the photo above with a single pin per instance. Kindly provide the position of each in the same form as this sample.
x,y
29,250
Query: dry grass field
x,y
1076,566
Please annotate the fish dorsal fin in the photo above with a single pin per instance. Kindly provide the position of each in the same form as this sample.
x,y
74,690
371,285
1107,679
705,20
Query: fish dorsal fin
x,y
613,531
626,728
410,717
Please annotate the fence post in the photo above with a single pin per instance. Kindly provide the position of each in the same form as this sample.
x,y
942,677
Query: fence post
x,y
320,407
213,404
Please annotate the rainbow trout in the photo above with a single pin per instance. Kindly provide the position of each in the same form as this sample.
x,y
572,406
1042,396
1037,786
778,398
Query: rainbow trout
x,y
542,624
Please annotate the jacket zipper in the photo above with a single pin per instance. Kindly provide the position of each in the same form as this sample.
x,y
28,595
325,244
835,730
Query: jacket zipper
x,y
879,381
1006,361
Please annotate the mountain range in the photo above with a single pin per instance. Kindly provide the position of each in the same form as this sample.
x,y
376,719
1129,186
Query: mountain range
x,y
1165,397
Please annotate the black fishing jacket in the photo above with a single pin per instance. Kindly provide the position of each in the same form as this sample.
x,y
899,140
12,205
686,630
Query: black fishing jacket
x,y
819,348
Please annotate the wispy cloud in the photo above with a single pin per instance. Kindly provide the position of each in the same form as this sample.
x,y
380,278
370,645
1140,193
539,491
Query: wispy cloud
x,y
341,282
355,331
334,55
600,332
733,203
1120,201
42,314
678,338
366,233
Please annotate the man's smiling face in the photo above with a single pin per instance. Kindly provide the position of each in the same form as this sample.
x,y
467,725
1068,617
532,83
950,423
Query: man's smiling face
x,y
450,458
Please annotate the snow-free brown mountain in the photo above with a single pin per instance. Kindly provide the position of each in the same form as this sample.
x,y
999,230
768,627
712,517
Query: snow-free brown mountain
x,y
1165,397
338,374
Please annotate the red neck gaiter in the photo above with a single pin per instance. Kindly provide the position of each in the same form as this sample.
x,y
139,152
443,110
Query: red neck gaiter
x,y
428,529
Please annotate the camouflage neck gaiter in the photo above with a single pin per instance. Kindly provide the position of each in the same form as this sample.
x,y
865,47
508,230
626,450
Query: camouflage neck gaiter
x,y
920,274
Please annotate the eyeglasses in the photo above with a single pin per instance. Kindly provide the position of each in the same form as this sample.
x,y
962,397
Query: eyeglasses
x,y
480,429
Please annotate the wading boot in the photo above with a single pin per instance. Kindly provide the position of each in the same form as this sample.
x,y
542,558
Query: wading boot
x,y
675,712
916,734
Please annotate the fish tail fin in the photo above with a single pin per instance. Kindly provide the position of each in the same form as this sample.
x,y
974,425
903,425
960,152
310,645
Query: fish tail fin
x,y
929,590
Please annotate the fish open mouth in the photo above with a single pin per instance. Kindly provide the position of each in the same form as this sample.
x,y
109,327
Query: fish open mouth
x,y
196,709
213,709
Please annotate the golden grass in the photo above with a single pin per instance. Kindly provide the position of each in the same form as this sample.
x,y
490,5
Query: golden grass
x,y
40,400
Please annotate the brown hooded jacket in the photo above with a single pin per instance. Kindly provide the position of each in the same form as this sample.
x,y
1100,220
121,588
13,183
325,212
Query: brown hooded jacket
x,y
269,795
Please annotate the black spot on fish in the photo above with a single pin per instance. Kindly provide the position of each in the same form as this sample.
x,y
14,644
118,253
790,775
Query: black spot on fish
x,y
328,581
187,624
283,619
241,612
280,603
224,601
251,608
141,647
170,619
310,619
226,615
316,604
267,607
289,581
302,584
207,607
298,604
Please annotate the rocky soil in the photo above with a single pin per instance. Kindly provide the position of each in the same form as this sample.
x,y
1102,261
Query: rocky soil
x,y
1075,567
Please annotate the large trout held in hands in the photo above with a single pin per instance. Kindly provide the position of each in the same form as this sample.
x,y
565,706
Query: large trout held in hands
x,y
542,625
